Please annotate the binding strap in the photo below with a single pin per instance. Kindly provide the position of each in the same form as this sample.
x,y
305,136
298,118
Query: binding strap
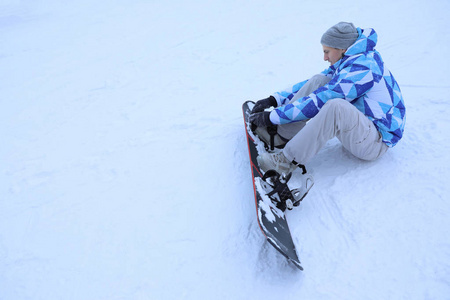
x,y
300,166
272,130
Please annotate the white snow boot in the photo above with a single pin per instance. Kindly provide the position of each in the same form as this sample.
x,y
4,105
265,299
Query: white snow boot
x,y
275,161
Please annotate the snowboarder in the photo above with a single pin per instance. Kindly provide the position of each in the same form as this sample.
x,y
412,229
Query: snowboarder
x,y
356,100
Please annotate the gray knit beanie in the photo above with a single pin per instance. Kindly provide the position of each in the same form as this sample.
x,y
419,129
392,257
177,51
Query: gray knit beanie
x,y
340,36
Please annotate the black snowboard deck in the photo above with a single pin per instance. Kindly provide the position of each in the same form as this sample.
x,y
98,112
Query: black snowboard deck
x,y
271,220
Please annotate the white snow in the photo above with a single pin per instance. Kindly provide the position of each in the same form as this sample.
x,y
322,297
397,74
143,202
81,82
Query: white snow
x,y
124,171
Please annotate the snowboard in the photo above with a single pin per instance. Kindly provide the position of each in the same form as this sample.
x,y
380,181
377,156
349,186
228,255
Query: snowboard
x,y
271,217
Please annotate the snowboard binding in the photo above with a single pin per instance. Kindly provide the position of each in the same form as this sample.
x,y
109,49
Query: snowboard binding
x,y
275,184
269,136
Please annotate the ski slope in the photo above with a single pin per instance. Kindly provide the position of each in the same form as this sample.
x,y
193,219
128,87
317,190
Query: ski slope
x,y
124,171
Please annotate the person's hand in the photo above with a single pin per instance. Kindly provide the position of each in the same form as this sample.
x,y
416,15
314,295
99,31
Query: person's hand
x,y
260,119
261,105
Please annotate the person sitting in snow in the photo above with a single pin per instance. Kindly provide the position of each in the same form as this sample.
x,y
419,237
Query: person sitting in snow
x,y
356,100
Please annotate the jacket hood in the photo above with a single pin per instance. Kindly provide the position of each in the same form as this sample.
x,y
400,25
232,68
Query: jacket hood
x,y
366,41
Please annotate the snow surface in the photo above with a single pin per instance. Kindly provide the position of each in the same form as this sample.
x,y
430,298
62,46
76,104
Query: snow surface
x,y
124,171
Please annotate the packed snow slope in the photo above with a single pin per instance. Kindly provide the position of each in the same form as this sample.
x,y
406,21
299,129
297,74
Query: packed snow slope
x,y
124,171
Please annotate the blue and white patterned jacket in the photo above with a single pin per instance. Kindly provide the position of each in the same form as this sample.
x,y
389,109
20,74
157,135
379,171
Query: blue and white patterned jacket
x,y
359,77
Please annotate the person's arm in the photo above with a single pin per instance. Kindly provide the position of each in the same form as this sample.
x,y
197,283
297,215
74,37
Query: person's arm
x,y
283,97
350,83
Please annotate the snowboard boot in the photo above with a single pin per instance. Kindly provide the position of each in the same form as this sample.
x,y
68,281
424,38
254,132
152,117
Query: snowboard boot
x,y
275,161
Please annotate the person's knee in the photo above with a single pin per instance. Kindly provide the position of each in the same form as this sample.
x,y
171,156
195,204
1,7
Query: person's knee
x,y
336,104
341,112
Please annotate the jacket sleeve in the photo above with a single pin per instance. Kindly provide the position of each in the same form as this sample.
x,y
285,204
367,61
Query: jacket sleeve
x,y
350,83
285,96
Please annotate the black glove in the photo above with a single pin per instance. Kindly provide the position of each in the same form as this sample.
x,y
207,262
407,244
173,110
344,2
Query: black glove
x,y
261,119
261,105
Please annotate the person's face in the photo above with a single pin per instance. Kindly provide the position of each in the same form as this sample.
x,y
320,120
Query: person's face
x,y
332,55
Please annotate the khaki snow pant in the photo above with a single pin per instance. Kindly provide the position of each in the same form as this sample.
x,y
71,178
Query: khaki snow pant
x,y
337,118
288,131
